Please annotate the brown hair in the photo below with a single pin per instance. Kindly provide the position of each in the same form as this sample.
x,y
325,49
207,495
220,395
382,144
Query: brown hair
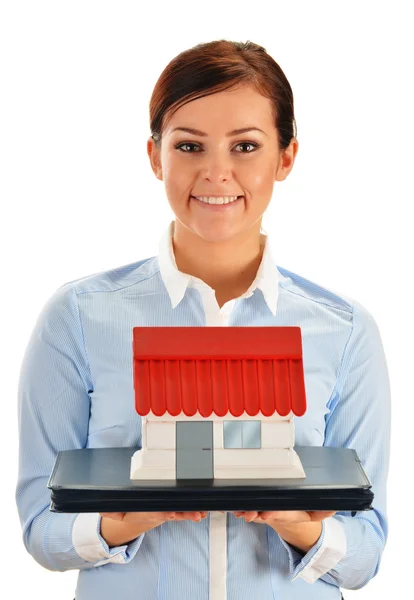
x,y
217,66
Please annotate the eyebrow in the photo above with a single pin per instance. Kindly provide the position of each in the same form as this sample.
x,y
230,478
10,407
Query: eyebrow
x,y
230,133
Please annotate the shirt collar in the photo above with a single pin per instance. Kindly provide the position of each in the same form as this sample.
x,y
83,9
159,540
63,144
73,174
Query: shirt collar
x,y
176,282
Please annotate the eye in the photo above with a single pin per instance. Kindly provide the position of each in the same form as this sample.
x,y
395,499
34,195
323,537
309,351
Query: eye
x,y
181,145
248,144
253,144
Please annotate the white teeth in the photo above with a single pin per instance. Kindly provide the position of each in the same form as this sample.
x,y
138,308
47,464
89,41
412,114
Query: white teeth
x,y
220,200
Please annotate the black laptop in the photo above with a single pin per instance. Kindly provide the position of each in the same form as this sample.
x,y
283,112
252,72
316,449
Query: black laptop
x,y
98,480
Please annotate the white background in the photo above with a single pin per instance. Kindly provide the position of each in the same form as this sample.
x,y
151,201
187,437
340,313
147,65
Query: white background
x,y
78,195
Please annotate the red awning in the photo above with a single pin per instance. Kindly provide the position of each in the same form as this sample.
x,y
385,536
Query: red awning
x,y
221,370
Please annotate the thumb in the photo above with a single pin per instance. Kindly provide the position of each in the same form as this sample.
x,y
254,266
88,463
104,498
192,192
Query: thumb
x,y
116,516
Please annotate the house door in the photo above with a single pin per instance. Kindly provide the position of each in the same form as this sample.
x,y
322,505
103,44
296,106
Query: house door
x,y
194,450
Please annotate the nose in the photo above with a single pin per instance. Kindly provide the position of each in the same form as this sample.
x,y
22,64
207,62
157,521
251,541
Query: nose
x,y
217,168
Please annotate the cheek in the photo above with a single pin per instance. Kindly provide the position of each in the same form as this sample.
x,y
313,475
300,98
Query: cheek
x,y
178,176
178,188
258,177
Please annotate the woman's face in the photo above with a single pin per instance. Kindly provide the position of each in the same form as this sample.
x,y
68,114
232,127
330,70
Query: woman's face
x,y
215,161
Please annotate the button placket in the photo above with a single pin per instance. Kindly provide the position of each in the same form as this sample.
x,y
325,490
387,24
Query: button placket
x,y
218,521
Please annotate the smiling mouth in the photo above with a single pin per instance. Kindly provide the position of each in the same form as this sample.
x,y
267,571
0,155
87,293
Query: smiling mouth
x,y
218,204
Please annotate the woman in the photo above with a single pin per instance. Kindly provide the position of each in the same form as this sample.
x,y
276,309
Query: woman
x,y
222,123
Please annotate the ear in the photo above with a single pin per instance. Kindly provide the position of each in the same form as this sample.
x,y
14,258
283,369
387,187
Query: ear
x,y
154,154
287,159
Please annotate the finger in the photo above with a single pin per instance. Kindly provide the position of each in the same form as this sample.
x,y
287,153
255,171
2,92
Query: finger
x,y
319,515
190,515
266,515
161,516
116,516
250,515
284,516
148,517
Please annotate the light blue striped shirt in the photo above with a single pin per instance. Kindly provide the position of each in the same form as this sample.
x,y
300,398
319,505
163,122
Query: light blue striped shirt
x,y
76,391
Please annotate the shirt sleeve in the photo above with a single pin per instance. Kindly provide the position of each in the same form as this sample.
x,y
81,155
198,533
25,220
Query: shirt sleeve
x,y
323,556
349,550
90,545
53,414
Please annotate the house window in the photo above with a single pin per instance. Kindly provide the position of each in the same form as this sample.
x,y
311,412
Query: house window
x,y
242,434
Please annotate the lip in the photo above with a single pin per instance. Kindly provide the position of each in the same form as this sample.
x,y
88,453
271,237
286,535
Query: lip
x,y
220,207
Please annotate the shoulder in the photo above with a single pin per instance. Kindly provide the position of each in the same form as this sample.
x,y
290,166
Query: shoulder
x,y
63,303
315,293
112,280
363,326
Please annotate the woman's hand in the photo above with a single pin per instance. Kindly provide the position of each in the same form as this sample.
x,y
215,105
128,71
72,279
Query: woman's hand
x,y
299,528
283,517
154,517
118,528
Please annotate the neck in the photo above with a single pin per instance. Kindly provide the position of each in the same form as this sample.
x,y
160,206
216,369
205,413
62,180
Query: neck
x,y
227,267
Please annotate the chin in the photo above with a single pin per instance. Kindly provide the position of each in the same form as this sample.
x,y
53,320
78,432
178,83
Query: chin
x,y
212,235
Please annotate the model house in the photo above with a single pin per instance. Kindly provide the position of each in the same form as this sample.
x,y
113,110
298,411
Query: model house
x,y
217,402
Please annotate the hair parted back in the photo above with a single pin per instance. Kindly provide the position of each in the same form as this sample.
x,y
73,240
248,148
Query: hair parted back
x,y
216,66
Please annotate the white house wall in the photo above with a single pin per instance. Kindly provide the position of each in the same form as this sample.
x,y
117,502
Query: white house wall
x,y
228,464
218,436
247,457
160,434
277,434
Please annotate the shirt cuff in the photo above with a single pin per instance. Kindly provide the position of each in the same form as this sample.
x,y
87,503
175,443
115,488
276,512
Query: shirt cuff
x,y
91,546
323,556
